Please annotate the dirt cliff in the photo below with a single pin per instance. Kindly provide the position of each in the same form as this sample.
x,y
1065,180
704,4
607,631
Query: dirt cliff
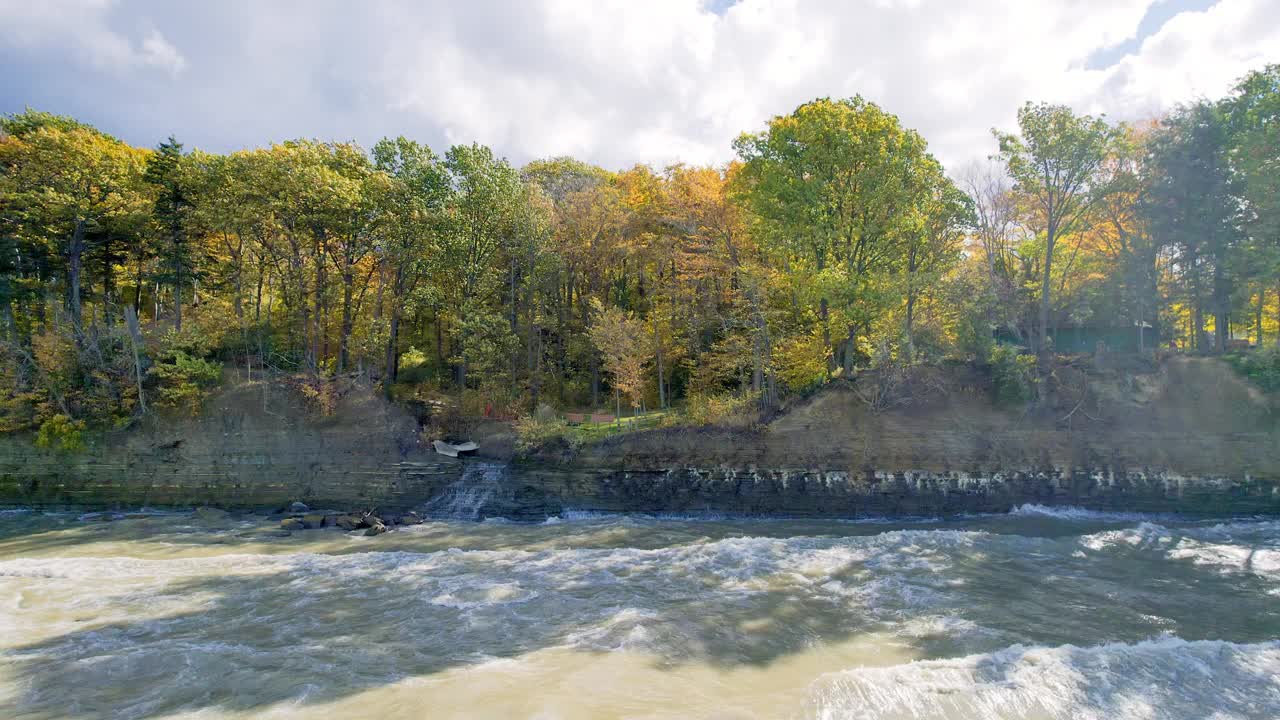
x,y
1184,435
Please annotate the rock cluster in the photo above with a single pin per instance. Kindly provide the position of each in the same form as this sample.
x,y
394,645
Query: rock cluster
x,y
302,518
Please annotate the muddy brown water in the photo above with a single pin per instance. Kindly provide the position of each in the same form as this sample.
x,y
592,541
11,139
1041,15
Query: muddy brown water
x,y
1043,613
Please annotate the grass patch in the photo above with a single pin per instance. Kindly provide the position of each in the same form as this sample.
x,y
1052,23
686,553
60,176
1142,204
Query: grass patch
x,y
589,432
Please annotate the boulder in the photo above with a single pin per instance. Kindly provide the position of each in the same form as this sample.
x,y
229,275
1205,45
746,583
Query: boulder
x,y
298,507
314,521
209,513
347,522
410,518
292,524
369,521
375,529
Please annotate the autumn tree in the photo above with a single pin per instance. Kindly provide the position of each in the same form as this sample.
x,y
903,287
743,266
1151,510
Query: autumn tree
x,y
65,183
618,338
1055,161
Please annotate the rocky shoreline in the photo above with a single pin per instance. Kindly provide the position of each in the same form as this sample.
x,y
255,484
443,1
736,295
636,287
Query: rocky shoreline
x,y
301,517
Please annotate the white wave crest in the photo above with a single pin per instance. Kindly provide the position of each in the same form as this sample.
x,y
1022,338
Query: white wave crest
x,y
1229,559
1145,536
1079,514
1160,679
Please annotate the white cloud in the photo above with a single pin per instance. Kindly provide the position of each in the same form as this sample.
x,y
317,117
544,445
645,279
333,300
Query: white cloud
x,y
79,28
618,81
157,52
665,81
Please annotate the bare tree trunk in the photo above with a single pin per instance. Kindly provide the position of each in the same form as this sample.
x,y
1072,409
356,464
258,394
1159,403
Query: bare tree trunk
x,y
826,336
439,323
177,285
1221,316
850,351
911,307
533,357
595,380
1046,288
393,337
135,339
257,300
515,327
344,334
75,254
107,317
1262,298
1197,322
662,393
10,327
318,339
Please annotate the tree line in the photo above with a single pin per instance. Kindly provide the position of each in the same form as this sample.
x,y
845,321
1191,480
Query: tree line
x,y
834,242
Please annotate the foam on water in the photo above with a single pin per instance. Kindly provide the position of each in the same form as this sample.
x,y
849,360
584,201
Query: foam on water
x,y
1078,514
1250,547
1165,678
722,598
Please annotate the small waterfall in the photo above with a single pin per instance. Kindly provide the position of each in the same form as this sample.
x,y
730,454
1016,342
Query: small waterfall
x,y
466,498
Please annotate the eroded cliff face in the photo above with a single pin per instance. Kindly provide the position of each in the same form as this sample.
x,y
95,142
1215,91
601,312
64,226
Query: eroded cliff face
x,y
1187,437
253,446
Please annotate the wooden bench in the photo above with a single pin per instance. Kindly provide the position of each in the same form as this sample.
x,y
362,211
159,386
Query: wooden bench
x,y
600,419
575,418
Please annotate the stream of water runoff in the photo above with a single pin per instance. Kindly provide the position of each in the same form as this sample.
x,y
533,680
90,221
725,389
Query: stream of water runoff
x,y
1042,613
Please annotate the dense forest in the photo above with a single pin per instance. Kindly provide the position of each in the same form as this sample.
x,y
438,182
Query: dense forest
x,y
131,279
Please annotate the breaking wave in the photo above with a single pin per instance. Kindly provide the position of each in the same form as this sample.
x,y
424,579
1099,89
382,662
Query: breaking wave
x,y
1078,514
1158,679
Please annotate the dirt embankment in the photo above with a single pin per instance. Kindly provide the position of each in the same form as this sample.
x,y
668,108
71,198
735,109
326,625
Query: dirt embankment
x,y
1185,435
254,444
1188,416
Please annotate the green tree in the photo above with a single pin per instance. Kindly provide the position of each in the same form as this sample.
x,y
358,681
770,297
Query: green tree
x,y
171,212
1055,161
410,206
1193,208
839,185
483,212
1254,114
65,185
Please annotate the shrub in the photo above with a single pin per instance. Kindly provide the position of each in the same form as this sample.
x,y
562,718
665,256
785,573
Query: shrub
x,y
60,432
731,410
320,394
534,431
800,362
414,368
183,383
1013,375
1261,366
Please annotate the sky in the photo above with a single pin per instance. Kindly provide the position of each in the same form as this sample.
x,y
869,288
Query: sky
x,y
610,82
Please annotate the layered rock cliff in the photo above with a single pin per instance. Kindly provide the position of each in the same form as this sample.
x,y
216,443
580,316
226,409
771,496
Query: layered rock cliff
x,y
1186,436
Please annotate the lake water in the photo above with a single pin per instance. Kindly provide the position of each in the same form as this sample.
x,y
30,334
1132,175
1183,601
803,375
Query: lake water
x,y
1038,614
